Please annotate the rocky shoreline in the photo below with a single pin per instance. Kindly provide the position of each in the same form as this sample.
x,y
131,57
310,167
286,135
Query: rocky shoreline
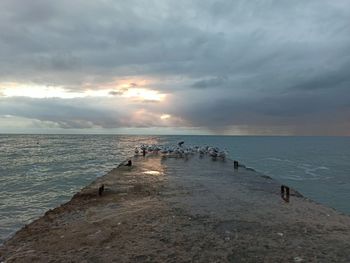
x,y
183,210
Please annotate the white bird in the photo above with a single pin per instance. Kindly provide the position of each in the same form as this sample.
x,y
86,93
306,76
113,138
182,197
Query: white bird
x,y
222,154
213,154
179,151
164,151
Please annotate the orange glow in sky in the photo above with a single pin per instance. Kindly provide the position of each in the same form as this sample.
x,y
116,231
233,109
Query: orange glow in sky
x,y
143,94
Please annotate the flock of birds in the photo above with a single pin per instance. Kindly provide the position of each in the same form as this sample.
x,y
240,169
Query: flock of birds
x,y
181,151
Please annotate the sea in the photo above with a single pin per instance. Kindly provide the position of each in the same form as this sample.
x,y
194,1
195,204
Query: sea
x,y
40,172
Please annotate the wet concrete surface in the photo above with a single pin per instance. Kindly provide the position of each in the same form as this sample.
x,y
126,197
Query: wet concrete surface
x,y
183,210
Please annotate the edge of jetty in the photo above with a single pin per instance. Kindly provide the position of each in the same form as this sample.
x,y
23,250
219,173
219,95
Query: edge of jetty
x,y
184,210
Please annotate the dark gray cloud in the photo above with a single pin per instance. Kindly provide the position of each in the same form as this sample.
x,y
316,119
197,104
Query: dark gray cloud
x,y
73,113
83,113
210,83
269,63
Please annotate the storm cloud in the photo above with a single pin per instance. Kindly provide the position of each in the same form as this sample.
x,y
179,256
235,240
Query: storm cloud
x,y
247,67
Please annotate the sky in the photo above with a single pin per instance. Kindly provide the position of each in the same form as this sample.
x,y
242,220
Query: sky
x,y
257,67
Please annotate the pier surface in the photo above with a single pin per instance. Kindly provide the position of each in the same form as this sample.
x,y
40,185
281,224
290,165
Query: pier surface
x,y
177,210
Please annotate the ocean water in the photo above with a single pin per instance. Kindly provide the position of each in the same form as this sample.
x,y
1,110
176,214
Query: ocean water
x,y
39,172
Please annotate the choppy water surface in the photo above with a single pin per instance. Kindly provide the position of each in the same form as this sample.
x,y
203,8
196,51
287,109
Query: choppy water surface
x,y
39,172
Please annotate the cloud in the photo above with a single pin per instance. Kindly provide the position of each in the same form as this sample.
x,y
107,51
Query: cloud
x,y
116,93
281,64
84,113
210,83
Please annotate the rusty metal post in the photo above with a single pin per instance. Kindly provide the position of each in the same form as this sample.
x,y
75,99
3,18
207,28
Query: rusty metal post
x,y
285,194
235,165
101,189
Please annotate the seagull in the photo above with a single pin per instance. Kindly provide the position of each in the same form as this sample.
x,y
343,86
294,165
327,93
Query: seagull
x,y
222,154
179,151
164,151
213,152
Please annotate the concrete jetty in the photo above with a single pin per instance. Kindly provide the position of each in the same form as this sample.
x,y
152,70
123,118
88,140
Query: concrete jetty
x,y
183,210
